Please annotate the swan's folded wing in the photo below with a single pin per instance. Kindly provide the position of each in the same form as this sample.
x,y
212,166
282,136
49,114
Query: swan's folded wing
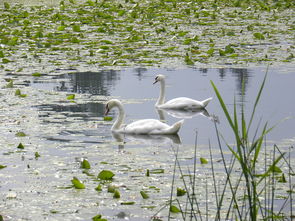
x,y
146,126
182,103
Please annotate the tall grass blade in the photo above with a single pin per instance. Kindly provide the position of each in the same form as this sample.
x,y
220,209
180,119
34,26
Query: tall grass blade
x,y
257,100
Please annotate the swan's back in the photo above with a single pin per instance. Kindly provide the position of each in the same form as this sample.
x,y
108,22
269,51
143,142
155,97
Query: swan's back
x,y
182,103
151,126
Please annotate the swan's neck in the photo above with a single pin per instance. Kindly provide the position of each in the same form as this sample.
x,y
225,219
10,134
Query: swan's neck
x,y
120,119
161,98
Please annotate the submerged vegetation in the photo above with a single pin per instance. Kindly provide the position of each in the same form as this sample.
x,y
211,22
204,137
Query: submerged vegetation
x,y
92,33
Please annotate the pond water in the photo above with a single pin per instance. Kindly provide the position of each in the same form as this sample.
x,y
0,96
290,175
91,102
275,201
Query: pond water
x,y
135,88
64,131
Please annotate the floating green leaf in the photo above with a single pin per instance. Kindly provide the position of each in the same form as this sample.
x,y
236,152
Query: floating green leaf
x,y
155,171
203,160
9,84
17,92
106,175
117,194
174,209
128,203
259,36
77,183
37,155
98,188
188,60
98,218
2,166
20,134
107,118
71,97
76,28
21,146
6,5
111,188
5,60
37,74
85,164
180,192
144,195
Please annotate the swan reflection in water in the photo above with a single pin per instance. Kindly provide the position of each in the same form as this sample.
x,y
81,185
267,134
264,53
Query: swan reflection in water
x,y
186,114
146,139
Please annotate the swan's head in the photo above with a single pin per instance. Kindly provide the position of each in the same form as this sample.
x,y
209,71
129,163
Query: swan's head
x,y
110,104
159,77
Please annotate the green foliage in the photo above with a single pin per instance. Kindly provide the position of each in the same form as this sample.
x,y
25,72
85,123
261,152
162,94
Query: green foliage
x,y
2,166
174,209
203,160
116,194
9,84
144,195
36,74
20,134
85,164
98,218
128,203
180,192
107,118
71,97
20,146
76,28
259,36
247,153
111,188
106,175
98,188
37,155
77,183
156,171
18,93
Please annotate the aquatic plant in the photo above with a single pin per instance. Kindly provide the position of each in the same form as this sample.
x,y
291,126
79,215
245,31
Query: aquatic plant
x,y
254,174
147,33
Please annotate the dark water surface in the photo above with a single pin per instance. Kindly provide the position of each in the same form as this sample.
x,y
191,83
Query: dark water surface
x,y
135,88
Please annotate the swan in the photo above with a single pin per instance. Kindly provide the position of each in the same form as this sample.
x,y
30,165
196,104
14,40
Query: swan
x,y
183,103
145,126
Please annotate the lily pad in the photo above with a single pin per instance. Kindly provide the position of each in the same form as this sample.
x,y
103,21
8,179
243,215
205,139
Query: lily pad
x,y
21,146
85,164
107,118
203,160
106,175
144,195
77,183
174,209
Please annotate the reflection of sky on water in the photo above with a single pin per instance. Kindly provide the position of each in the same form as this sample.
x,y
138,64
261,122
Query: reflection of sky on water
x,y
134,87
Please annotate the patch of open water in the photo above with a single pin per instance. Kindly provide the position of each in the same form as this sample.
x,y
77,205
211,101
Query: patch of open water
x,y
135,88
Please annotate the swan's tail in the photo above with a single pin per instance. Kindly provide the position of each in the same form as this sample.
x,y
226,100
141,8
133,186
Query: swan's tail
x,y
175,127
206,101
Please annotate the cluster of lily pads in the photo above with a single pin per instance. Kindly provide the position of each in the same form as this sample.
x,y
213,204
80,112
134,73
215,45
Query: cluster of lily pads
x,y
129,33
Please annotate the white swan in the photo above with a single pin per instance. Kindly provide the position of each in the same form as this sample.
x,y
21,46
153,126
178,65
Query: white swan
x,y
146,126
183,103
